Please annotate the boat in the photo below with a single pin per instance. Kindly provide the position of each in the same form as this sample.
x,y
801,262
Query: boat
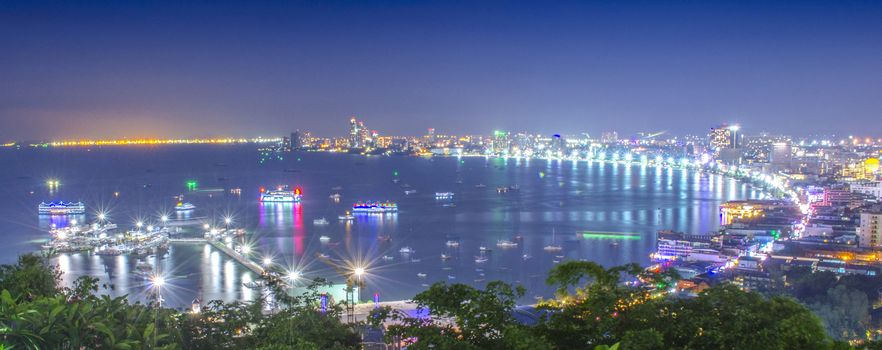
x,y
324,238
452,244
501,189
421,275
443,195
506,244
484,249
281,195
481,259
409,192
320,221
335,196
552,247
480,186
346,217
445,257
514,187
324,256
184,206
451,277
388,258
405,250
526,257
375,207
61,208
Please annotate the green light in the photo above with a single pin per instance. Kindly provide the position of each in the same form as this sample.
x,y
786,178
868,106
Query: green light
x,y
191,185
395,173
609,235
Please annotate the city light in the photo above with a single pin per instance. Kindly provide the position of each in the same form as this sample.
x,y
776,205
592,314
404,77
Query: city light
x,y
293,275
358,271
158,280
228,220
267,261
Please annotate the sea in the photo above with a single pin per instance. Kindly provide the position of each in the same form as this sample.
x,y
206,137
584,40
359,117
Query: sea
x,y
604,212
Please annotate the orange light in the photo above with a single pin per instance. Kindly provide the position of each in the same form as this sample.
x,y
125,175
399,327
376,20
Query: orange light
x,y
262,190
297,191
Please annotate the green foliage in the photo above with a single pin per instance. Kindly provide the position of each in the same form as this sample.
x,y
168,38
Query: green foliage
x,y
845,312
32,277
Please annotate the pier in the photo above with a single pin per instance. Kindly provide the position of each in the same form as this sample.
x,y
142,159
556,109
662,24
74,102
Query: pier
x,y
251,265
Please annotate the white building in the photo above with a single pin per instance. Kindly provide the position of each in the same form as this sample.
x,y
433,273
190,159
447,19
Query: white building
x,y
870,232
871,188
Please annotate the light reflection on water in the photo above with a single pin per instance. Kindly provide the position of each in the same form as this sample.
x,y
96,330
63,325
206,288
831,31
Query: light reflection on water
x,y
566,198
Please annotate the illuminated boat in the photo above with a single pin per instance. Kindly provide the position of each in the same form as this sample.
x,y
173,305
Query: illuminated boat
x,y
281,195
61,208
320,222
375,207
443,195
184,206
506,244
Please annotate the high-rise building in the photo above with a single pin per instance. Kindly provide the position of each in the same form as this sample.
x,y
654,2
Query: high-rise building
x,y
296,141
870,232
723,137
359,135
609,137
781,154
501,143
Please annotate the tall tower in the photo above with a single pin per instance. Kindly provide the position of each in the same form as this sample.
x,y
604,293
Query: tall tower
x,y
354,132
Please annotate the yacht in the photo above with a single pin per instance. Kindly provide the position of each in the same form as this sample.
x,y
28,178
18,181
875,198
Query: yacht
x,y
552,247
320,221
405,250
346,217
409,192
481,259
421,275
335,196
443,195
388,258
445,257
506,244
452,244
324,238
484,249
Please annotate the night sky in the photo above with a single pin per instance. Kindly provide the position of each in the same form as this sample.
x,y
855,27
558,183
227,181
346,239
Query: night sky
x,y
111,69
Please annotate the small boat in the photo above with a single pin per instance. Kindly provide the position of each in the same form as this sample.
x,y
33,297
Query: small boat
x,y
501,190
405,250
480,186
324,256
451,277
445,257
388,258
184,206
320,221
526,257
424,285
324,238
452,244
443,195
484,249
552,247
409,192
480,259
479,280
415,260
346,217
335,196
514,188
421,275
506,244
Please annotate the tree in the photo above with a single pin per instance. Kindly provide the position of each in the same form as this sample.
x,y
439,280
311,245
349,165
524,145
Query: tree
x,y
845,312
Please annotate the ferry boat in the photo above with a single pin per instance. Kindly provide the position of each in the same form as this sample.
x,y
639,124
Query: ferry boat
x,y
320,221
61,208
281,195
375,207
184,206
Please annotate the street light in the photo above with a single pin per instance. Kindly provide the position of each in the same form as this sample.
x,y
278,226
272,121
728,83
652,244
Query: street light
x,y
359,271
164,218
293,275
267,261
139,224
228,220
101,216
158,281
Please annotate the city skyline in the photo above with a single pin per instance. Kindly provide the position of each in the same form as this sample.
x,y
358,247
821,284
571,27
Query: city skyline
x,y
189,70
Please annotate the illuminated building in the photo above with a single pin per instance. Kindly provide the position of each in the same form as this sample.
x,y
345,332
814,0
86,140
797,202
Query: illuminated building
x,y
296,141
873,188
870,231
609,137
501,143
359,136
723,137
